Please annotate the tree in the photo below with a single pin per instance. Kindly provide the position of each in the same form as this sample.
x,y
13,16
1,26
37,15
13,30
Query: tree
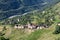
x,y
2,38
4,28
57,31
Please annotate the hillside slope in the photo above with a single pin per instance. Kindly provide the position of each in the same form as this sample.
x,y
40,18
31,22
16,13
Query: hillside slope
x,y
47,33
36,17
17,7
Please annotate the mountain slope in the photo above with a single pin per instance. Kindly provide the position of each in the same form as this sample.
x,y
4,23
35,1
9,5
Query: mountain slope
x,y
41,34
17,7
37,17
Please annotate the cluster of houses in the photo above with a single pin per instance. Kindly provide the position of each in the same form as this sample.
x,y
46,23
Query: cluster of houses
x,y
30,26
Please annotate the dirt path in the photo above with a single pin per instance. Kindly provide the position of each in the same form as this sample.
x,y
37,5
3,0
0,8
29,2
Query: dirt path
x,y
8,31
1,29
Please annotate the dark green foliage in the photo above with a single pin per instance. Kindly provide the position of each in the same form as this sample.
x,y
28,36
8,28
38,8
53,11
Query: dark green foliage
x,y
58,38
34,16
4,28
1,34
57,31
2,38
27,5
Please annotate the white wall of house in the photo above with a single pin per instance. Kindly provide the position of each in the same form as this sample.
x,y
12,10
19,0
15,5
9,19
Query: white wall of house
x,y
59,24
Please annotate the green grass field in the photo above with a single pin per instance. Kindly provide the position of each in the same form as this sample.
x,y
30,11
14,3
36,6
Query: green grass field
x,y
23,34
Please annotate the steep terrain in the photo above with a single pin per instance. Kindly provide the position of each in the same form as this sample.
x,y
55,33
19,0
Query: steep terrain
x,y
17,7
49,16
47,33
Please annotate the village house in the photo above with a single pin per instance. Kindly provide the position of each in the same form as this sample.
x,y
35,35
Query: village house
x,y
40,27
58,24
19,26
30,26
25,26
34,26
16,26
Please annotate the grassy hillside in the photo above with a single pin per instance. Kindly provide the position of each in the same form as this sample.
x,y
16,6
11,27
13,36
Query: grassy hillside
x,y
35,17
25,34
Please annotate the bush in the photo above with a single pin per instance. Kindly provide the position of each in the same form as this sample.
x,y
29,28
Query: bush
x,y
4,28
58,38
2,38
1,34
57,31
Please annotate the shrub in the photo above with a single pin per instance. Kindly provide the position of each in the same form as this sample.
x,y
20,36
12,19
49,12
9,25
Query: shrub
x,y
57,31
2,38
58,38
